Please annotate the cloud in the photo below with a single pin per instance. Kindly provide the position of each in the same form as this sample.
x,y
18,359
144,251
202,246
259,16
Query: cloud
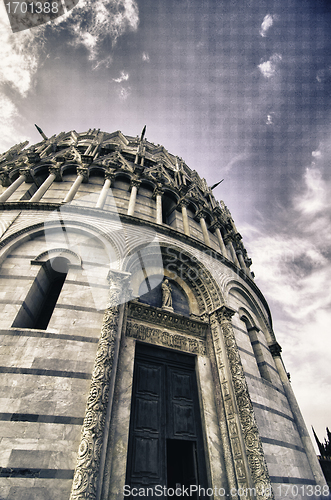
x,y
19,55
266,24
124,93
145,57
123,77
269,68
92,22
8,127
292,263
20,58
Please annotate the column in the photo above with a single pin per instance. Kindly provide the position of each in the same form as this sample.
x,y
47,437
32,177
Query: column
x,y
204,231
82,174
220,241
12,188
54,171
242,263
229,246
94,435
104,192
143,156
275,350
158,198
133,195
183,204
256,463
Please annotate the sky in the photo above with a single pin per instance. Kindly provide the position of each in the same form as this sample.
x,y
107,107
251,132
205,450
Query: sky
x,y
240,89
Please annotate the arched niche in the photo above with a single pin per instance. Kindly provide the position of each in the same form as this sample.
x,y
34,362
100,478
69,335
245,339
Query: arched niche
x,y
150,292
180,267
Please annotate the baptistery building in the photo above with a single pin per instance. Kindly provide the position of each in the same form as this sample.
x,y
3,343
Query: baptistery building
x,y
138,356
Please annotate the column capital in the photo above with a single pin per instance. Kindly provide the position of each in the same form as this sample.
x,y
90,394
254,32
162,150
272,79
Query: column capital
x,y
225,313
248,261
275,349
83,171
26,171
183,203
135,182
201,214
109,175
56,170
228,238
157,190
119,292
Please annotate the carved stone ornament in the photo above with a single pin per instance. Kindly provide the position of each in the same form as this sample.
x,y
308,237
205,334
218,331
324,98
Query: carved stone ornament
x,y
165,338
254,450
275,349
89,452
168,320
83,171
56,170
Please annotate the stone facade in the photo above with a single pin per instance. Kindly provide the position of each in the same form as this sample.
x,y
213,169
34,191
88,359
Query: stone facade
x,y
122,213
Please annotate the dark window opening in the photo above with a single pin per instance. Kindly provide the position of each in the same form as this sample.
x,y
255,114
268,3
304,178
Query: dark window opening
x,y
182,470
168,210
39,304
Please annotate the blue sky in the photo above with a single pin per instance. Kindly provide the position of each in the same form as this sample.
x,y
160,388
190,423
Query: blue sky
x,y
240,89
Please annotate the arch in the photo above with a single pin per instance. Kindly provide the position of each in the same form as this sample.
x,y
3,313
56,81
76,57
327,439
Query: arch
x,y
113,243
97,171
264,318
200,287
73,258
245,316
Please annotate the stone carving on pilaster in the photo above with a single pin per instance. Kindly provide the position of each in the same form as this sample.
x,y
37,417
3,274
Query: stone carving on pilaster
x,y
89,452
165,338
233,424
255,455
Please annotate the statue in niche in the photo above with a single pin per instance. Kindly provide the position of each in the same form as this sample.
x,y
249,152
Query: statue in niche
x,y
166,295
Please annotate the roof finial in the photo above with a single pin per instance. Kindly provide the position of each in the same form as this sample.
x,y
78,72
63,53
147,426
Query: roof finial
x,y
143,134
217,183
41,132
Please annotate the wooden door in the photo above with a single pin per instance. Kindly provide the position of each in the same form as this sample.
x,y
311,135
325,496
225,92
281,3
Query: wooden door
x,y
165,442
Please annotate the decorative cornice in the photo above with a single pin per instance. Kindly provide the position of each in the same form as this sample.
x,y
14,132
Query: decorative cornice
x,y
156,316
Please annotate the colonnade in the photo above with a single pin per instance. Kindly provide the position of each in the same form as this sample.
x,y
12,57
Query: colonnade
x,y
226,245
